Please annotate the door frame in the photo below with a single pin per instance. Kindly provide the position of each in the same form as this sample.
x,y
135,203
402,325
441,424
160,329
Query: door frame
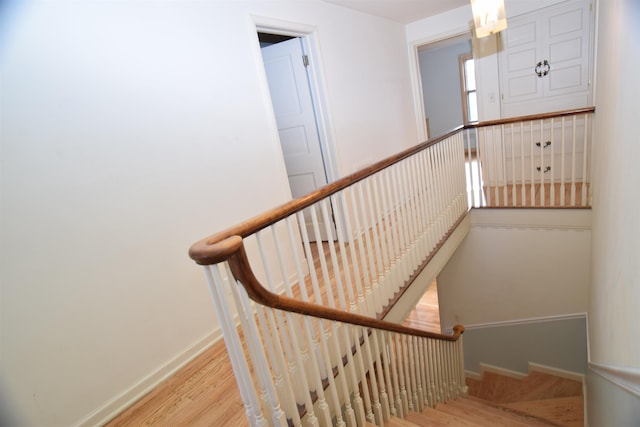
x,y
310,46
416,80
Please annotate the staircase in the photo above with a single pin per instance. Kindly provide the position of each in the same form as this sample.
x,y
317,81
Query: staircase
x,y
465,412
556,399
538,399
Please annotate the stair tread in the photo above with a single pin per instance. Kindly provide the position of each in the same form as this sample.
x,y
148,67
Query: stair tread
x,y
537,385
567,411
399,422
490,414
436,418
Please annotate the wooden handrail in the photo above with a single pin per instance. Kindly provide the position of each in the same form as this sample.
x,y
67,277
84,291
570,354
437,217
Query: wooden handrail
x,y
207,251
241,269
531,117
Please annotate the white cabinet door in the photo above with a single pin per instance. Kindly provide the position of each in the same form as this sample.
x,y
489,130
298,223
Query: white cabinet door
x,y
567,50
521,51
545,60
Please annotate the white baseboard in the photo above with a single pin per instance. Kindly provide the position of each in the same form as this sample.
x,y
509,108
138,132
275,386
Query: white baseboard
x,y
574,376
501,371
624,377
125,399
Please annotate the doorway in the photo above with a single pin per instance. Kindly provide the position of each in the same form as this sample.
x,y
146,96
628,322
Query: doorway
x,y
287,65
439,70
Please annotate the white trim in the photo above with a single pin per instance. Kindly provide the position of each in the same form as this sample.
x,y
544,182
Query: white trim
x,y
416,78
562,373
577,219
475,376
526,321
501,371
624,377
125,399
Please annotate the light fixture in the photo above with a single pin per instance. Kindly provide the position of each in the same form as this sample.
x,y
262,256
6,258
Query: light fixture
x,y
489,17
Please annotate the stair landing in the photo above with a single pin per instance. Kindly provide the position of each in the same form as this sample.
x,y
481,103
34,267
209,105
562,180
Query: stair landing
x,y
466,412
549,397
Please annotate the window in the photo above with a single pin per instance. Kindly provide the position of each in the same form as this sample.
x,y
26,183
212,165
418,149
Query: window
x,y
468,86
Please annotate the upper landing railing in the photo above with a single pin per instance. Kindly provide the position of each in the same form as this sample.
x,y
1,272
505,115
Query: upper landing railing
x,y
317,274
533,161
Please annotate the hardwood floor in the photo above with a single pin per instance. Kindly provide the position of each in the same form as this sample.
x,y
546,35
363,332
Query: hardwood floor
x,y
426,314
205,393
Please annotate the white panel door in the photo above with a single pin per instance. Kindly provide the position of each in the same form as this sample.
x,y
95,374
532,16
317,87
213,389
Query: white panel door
x,y
545,60
521,43
297,126
295,115
567,50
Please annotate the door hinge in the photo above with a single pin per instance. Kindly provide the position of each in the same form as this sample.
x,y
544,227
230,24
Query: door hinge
x,y
305,60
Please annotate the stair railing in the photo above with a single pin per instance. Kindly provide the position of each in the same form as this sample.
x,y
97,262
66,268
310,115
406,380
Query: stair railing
x,y
315,277
542,160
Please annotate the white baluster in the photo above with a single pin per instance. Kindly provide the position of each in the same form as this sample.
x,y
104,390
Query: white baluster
x,y
402,375
380,368
480,165
256,350
392,354
416,396
336,267
562,161
379,243
532,176
573,162
542,164
585,156
340,212
234,347
365,296
373,382
552,184
363,375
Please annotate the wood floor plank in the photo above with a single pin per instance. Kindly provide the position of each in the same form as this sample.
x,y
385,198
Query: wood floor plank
x,y
204,392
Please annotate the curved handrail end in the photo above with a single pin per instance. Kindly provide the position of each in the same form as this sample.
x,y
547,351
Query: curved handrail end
x,y
204,252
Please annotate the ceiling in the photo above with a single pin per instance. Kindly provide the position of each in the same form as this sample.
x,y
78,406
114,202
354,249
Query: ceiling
x,y
403,11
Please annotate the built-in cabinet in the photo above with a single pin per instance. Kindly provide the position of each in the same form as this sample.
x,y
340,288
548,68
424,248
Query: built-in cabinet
x,y
545,64
545,60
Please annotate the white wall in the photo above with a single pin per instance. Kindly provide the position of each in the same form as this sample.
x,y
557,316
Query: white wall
x,y
523,264
128,131
614,312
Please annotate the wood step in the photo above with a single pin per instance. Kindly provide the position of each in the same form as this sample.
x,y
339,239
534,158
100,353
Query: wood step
x,y
437,418
565,411
537,385
399,422
471,412
474,409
